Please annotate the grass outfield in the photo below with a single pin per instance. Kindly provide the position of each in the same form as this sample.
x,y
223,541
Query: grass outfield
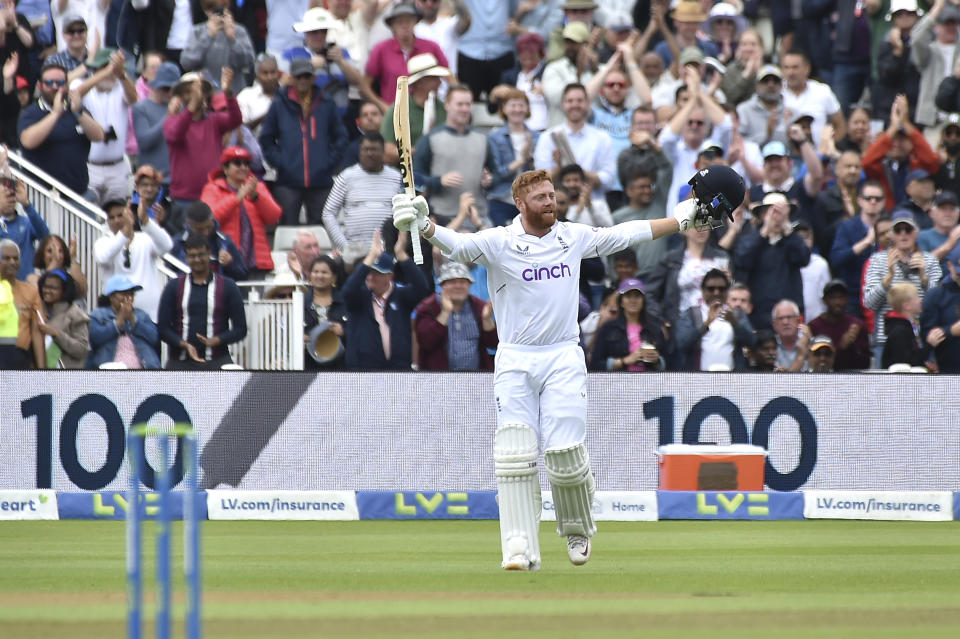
x,y
440,579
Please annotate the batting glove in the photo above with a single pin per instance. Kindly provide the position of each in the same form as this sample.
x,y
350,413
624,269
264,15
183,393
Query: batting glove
x,y
410,212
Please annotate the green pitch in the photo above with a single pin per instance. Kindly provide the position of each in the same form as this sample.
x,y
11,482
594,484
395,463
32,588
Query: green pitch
x,y
442,579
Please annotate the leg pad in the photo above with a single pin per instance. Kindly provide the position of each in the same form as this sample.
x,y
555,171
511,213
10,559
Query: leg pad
x,y
572,482
515,451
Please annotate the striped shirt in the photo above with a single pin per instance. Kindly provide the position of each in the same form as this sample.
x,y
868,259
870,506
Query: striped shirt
x,y
875,295
358,204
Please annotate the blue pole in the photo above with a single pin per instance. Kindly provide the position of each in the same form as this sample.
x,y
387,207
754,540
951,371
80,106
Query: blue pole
x,y
134,561
163,541
191,538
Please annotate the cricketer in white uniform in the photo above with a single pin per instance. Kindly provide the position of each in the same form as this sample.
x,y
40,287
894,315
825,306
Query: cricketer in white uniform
x,y
540,373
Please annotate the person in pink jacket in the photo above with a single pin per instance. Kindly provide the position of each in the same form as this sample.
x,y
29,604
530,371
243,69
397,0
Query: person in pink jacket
x,y
244,207
194,133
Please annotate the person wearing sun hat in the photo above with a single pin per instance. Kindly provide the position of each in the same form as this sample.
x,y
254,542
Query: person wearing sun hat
x,y
687,16
194,134
388,60
455,329
426,110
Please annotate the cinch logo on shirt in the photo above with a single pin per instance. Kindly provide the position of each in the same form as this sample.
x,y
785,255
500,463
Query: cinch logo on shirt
x,y
536,274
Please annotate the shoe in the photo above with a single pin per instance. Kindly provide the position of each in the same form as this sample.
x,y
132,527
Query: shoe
x,y
578,549
520,562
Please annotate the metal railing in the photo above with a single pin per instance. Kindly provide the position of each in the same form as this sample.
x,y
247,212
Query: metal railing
x,y
274,327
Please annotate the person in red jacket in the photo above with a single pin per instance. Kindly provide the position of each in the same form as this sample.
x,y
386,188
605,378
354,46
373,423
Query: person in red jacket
x,y
244,207
897,151
455,329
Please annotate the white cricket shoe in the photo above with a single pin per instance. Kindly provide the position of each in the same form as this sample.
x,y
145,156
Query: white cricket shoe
x,y
520,562
578,549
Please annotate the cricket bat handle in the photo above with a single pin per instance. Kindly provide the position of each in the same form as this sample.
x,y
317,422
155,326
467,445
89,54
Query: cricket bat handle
x,y
415,235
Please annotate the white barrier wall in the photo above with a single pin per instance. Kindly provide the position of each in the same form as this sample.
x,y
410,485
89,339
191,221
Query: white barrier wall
x,y
348,431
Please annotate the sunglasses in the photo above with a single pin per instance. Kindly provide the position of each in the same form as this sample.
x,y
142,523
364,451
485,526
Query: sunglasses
x,y
770,79
871,198
616,85
76,31
902,228
126,257
245,163
696,122
54,83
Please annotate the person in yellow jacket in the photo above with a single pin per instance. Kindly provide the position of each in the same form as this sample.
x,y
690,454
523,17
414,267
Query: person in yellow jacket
x,y
21,343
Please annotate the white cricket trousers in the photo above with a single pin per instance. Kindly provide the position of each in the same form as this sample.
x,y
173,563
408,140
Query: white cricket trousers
x,y
544,387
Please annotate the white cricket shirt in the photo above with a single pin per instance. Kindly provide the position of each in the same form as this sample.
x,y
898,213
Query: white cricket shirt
x,y
534,281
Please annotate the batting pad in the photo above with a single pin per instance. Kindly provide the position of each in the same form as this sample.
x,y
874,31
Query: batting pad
x,y
515,453
572,482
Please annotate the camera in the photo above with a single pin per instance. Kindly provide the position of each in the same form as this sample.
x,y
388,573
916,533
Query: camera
x,y
218,11
109,135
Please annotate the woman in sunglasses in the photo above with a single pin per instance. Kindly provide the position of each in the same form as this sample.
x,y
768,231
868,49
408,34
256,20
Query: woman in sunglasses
x,y
244,207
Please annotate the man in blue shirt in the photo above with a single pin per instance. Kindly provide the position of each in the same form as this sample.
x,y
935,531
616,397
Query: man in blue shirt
x,y
855,242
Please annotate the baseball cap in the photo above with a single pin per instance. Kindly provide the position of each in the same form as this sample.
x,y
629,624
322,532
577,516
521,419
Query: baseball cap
x,y
775,148
454,271
690,55
711,146
631,284
918,174
101,59
301,66
903,216
801,116
834,286
618,21
120,284
953,119
384,263
232,153
954,258
576,31
72,18
949,14
167,76
820,342
946,197
768,70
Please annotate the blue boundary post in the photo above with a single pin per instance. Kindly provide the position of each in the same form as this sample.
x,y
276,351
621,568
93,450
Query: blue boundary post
x,y
163,541
134,559
191,538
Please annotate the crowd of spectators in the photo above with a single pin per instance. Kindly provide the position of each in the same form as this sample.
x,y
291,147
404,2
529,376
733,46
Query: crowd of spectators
x,y
199,126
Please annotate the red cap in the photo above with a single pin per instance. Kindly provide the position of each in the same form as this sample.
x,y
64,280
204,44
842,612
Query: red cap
x,y
22,83
234,153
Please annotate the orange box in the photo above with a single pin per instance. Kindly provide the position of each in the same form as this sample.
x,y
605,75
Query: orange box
x,y
711,467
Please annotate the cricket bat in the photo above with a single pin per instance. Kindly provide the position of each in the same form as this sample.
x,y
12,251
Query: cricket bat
x,y
401,126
